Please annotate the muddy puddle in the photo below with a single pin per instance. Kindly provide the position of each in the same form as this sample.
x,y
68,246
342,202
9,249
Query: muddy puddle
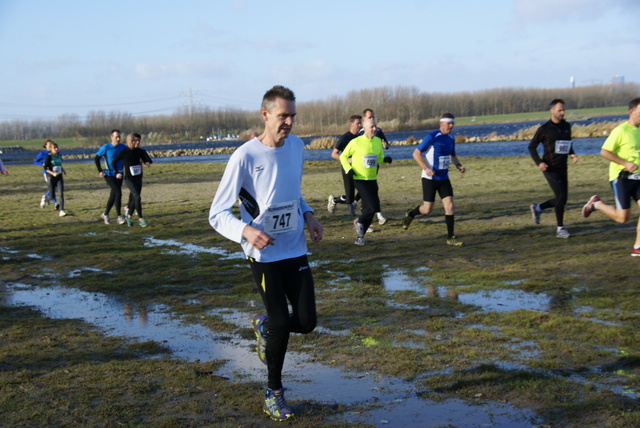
x,y
170,246
501,300
388,401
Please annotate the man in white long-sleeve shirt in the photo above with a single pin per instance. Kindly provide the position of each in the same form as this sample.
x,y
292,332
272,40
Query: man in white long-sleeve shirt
x,y
265,174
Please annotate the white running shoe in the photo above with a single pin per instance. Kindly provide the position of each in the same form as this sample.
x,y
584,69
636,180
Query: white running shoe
x,y
62,213
563,233
331,205
360,242
105,218
43,201
121,220
381,219
359,228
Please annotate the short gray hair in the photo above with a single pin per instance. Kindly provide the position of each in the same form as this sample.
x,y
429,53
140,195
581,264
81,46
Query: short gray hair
x,y
277,91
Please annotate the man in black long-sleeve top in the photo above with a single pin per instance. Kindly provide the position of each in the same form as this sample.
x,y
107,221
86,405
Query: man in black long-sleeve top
x,y
555,136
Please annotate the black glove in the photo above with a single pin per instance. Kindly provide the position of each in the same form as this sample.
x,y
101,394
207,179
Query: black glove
x,y
387,159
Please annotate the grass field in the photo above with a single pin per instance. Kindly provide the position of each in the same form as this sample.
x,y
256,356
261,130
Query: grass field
x,y
542,115
563,344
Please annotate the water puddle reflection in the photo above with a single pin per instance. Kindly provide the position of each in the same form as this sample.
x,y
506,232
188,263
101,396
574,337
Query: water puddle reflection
x,y
500,300
450,413
190,342
16,254
398,280
504,300
387,401
191,249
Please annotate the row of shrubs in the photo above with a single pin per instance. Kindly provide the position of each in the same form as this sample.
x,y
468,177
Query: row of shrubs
x,y
592,130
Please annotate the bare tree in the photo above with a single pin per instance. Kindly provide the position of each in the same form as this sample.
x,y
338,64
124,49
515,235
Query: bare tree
x,y
402,107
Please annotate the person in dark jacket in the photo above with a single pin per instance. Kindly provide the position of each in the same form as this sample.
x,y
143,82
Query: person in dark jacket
x,y
555,137
133,157
53,166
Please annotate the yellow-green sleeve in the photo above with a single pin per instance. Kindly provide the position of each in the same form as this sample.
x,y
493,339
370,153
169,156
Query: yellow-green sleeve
x,y
344,158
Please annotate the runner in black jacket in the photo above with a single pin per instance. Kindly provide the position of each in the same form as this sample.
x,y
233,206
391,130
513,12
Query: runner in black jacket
x,y
555,136
133,157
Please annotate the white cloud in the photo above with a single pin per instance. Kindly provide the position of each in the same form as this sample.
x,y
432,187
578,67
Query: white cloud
x,y
528,11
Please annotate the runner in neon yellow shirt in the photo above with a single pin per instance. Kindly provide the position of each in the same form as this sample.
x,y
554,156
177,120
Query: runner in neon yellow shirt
x,y
361,158
624,142
622,149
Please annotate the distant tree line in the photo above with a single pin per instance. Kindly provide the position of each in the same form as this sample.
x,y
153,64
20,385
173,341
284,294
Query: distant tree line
x,y
399,108
183,125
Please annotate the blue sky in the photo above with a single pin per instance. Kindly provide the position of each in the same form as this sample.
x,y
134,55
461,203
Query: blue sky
x,y
151,57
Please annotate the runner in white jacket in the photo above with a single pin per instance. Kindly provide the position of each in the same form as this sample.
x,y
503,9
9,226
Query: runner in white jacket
x,y
265,173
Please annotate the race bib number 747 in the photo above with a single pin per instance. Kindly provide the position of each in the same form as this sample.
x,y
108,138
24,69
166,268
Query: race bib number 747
x,y
280,218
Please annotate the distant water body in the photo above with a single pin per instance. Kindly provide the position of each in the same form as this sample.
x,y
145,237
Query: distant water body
x,y
582,146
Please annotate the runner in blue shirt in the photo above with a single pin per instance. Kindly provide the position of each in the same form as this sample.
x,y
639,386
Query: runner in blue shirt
x,y
434,155
39,160
104,159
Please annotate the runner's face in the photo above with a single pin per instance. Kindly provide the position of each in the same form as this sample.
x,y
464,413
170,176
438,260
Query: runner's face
x,y
446,127
557,113
369,127
356,126
115,138
634,116
279,119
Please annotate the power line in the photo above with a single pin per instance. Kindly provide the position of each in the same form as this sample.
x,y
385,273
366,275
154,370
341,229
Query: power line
x,y
191,101
22,117
191,98
219,99
12,105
